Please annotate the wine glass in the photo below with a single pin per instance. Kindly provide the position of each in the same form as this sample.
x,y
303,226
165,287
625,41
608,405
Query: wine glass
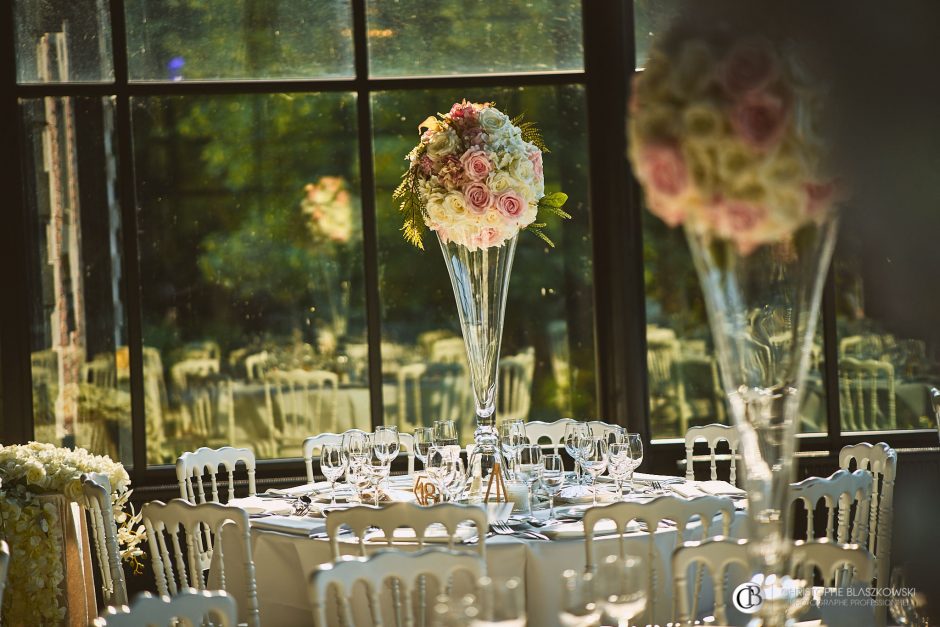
x,y
636,455
528,460
594,460
386,443
436,466
359,476
574,432
445,433
552,478
378,472
622,587
578,600
511,436
358,445
619,464
424,436
333,463
455,479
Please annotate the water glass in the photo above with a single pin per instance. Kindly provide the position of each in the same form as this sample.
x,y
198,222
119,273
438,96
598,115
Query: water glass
x,y
359,476
424,437
578,600
333,463
386,443
455,479
622,583
378,473
500,602
358,445
528,462
512,435
619,464
575,432
445,433
552,478
636,455
594,460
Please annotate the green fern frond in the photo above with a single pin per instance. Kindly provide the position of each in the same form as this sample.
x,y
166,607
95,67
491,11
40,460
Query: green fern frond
x,y
412,207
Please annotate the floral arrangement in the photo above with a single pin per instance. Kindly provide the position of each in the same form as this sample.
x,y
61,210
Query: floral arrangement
x,y
476,179
33,530
725,139
328,205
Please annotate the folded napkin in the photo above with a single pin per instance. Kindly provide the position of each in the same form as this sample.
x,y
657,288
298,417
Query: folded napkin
x,y
295,525
720,488
583,494
261,505
576,529
664,479
687,490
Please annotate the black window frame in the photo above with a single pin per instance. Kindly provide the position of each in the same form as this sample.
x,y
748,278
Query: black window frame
x,y
616,229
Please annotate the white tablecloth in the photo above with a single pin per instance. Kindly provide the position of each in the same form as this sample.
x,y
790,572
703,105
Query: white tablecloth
x,y
285,561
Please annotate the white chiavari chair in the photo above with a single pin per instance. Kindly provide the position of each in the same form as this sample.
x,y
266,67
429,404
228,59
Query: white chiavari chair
x,y
717,555
838,564
189,608
538,431
4,566
315,442
194,465
882,462
712,434
363,519
96,490
839,494
664,508
407,572
201,526
601,429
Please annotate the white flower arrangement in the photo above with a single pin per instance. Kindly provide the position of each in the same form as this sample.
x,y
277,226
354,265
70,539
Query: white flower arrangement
x,y
476,178
32,528
725,139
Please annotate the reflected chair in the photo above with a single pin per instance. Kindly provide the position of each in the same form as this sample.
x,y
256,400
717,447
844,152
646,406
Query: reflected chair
x,y
712,434
408,573
866,390
305,401
935,404
96,490
189,607
515,385
201,528
194,465
881,461
664,376
257,365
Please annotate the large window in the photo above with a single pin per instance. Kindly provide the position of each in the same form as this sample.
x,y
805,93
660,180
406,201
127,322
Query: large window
x,y
234,161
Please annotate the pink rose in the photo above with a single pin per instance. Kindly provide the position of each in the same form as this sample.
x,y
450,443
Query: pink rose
x,y
536,159
760,119
476,164
662,169
487,236
478,197
510,204
463,110
740,222
819,197
749,67
666,209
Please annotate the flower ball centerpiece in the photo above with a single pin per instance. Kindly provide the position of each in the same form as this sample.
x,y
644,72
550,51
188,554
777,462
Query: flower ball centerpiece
x,y
727,140
476,180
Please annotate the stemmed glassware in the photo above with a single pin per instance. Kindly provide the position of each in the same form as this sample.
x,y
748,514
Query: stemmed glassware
x,y
622,587
378,469
446,471
424,438
594,460
512,435
386,443
552,478
455,480
445,436
575,432
578,600
358,445
528,461
333,462
636,455
619,465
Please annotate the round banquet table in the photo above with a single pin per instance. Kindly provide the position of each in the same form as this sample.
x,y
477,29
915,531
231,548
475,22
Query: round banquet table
x,y
285,556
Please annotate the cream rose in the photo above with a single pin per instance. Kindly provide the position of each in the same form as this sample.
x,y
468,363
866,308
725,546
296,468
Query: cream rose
x,y
494,121
443,143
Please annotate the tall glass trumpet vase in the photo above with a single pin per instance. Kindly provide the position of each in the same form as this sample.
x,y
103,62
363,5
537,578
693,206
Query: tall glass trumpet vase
x,y
763,307
480,279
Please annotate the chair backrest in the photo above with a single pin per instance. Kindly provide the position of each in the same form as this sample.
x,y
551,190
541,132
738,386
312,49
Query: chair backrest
x,y
515,385
315,442
190,608
838,564
201,526
103,531
717,555
257,365
712,434
882,462
838,493
600,429
359,520
678,510
409,395
210,405
866,391
408,572
538,431
449,350
207,461
4,566
182,369
307,401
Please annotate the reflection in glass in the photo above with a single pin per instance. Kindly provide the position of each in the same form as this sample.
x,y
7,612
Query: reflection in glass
x,y
79,361
59,41
546,369
415,37
652,18
247,39
683,376
251,268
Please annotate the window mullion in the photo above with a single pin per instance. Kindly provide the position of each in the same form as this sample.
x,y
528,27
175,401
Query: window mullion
x,y
831,361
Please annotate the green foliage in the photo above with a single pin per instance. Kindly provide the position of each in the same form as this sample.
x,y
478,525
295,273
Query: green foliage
x,y
412,207
530,132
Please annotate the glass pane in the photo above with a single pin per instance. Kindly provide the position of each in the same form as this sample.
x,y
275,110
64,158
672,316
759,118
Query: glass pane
x,y
889,342
651,18
251,269
549,314
60,41
415,37
214,39
80,375
684,386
